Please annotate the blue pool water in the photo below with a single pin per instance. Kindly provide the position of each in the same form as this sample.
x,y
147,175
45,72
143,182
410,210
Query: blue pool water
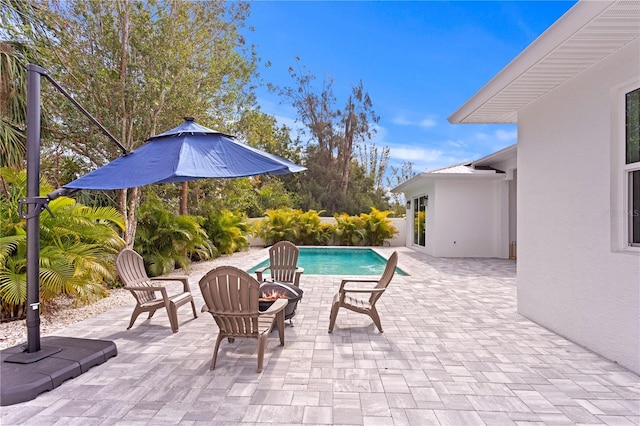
x,y
338,261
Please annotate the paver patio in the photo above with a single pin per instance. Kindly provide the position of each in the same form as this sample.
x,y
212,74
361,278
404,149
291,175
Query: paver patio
x,y
453,352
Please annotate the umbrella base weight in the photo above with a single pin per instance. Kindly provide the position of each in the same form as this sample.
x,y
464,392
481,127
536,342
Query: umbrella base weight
x,y
30,357
25,381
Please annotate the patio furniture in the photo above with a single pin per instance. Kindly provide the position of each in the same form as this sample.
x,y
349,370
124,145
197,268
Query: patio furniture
x,y
231,296
357,303
283,264
150,297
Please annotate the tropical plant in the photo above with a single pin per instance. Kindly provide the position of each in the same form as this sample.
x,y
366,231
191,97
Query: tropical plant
x,y
227,230
311,229
78,245
349,229
18,26
13,87
377,227
279,225
166,240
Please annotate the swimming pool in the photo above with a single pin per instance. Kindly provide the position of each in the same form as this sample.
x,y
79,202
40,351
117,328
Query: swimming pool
x,y
338,261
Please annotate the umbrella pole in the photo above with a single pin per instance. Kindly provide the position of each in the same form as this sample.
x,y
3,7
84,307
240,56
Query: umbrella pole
x,y
33,204
28,371
30,209
33,216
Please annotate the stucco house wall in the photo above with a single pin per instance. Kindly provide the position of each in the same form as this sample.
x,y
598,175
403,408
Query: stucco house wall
x,y
467,214
467,218
578,269
573,275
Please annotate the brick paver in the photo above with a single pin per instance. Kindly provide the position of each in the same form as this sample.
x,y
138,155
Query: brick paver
x,y
454,352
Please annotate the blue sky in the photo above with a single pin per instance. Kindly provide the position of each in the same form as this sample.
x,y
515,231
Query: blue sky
x,y
419,61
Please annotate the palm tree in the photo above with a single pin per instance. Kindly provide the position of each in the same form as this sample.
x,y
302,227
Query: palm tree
x,y
13,100
78,245
18,21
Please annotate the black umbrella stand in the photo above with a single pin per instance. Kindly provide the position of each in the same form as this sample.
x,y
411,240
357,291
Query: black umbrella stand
x,y
30,370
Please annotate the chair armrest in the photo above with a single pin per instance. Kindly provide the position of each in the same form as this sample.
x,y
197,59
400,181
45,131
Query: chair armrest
x,y
296,278
144,288
183,279
362,290
276,307
364,280
162,290
260,271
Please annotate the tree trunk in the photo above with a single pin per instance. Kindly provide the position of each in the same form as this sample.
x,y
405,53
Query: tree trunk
x,y
132,222
129,212
122,208
347,151
184,198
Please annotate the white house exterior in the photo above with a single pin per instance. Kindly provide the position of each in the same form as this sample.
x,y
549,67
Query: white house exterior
x,y
467,210
574,93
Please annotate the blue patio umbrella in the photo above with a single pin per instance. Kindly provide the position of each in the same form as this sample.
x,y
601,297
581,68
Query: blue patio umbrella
x,y
187,152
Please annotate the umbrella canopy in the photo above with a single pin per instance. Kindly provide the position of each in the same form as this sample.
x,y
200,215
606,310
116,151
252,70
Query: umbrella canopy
x,y
188,152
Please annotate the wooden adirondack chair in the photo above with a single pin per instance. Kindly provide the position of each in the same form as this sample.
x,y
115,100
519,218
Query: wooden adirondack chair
x,y
283,264
150,297
367,306
231,296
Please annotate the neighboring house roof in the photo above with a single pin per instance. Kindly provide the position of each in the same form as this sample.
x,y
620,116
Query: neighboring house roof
x,y
478,169
585,35
457,169
498,156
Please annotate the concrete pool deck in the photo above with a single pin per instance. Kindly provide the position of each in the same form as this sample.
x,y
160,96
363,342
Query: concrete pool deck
x,y
454,352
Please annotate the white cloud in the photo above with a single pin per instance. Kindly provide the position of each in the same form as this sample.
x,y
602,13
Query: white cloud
x,y
507,136
422,159
426,123
457,143
414,154
482,136
401,121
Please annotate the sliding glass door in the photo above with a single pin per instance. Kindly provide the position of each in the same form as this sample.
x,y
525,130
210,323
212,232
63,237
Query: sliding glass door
x,y
419,220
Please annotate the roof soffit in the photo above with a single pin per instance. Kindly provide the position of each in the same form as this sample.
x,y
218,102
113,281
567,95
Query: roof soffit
x,y
589,32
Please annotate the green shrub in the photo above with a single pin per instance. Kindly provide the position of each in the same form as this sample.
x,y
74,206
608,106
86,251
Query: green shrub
x,y
349,230
307,228
227,231
279,225
311,230
166,240
377,227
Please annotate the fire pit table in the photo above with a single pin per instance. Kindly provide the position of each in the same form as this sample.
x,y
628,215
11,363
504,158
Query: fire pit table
x,y
270,291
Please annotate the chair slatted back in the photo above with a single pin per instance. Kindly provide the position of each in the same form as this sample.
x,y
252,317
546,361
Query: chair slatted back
x,y
386,277
130,267
231,295
283,258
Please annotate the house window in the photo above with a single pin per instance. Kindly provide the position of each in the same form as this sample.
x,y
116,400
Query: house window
x,y
632,164
419,220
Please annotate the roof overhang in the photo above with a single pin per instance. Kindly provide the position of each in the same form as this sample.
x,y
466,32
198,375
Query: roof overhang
x,y
503,155
420,179
589,32
464,171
